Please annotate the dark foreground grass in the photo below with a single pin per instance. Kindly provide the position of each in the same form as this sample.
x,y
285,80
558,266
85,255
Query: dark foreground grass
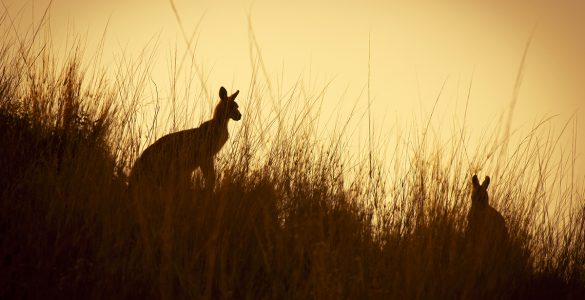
x,y
285,221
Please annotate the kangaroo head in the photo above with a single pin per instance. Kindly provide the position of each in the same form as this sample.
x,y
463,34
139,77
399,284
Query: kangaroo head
x,y
227,107
479,194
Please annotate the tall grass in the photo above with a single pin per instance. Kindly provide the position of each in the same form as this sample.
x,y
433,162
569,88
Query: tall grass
x,y
285,221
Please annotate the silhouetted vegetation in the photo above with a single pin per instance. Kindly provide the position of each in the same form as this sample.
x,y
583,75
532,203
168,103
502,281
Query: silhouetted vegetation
x,y
284,222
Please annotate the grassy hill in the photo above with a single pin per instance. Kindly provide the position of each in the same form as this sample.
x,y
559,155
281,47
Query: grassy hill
x,y
283,223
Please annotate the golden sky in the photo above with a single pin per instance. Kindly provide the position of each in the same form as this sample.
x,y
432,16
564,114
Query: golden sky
x,y
415,47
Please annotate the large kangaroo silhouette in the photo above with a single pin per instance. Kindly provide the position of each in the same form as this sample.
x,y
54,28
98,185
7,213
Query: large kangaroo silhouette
x,y
170,161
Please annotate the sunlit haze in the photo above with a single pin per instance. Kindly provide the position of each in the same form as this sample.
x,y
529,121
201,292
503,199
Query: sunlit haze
x,y
409,48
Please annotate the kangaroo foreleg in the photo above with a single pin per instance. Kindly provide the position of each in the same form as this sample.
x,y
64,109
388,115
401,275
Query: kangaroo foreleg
x,y
208,170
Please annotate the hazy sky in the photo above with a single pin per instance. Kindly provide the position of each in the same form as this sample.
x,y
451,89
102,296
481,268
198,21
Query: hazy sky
x,y
416,45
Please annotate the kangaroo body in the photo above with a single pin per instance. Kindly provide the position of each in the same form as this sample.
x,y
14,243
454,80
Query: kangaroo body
x,y
175,156
171,160
487,221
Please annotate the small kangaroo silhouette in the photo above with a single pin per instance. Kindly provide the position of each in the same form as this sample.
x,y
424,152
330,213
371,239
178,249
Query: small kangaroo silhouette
x,y
171,160
484,222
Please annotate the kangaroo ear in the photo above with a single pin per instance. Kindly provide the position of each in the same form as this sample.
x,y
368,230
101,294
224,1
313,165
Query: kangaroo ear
x,y
486,182
475,182
223,93
234,95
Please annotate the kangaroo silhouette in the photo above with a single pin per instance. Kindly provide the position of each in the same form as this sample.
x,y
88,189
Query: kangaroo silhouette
x,y
484,222
170,161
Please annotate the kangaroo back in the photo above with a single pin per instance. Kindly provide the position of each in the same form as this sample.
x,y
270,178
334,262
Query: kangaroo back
x,y
171,157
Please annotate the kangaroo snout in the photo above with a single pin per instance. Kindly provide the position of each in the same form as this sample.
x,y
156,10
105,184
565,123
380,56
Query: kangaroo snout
x,y
237,116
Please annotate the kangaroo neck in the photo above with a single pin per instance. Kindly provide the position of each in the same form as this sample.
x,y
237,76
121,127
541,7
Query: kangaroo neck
x,y
220,123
